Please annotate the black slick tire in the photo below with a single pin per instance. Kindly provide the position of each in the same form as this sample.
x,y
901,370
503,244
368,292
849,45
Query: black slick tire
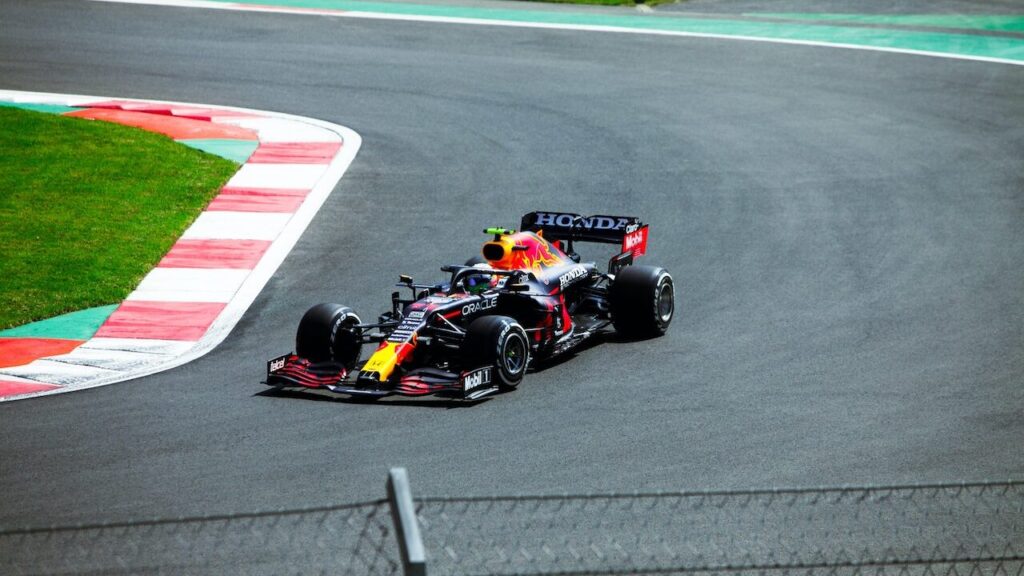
x,y
500,342
327,334
642,300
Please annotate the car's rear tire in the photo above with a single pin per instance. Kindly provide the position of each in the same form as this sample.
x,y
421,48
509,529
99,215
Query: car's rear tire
x,y
500,342
328,333
642,300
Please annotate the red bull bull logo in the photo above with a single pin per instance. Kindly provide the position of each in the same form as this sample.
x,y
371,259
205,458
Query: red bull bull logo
x,y
522,251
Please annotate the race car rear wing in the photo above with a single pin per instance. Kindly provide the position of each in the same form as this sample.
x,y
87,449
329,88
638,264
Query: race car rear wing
x,y
627,230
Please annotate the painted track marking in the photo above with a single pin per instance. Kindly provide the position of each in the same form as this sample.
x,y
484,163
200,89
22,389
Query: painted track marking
x,y
649,28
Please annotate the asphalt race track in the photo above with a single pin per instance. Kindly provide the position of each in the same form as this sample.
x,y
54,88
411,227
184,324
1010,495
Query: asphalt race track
x,y
846,231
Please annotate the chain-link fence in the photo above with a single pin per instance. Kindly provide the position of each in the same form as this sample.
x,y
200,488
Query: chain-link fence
x,y
352,539
970,530
939,530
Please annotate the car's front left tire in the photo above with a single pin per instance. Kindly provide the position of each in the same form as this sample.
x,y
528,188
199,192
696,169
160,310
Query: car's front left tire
x,y
329,333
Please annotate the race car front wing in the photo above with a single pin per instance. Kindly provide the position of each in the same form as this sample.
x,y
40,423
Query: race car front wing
x,y
293,371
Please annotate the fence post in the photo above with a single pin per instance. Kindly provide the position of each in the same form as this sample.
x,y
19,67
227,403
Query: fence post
x,y
403,514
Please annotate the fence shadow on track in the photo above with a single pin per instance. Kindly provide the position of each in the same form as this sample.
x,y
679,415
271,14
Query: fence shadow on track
x,y
934,530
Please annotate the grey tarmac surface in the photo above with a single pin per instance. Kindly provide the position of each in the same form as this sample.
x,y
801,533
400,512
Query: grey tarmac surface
x,y
846,231
737,8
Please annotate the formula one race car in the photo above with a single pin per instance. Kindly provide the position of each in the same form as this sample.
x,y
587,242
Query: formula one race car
x,y
528,297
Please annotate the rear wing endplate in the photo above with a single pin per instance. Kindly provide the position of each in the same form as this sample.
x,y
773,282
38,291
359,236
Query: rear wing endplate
x,y
628,231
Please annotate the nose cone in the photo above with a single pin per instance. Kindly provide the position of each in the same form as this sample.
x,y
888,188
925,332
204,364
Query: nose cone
x,y
383,362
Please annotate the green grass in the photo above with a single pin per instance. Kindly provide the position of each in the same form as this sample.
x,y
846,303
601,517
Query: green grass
x,y
87,208
989,22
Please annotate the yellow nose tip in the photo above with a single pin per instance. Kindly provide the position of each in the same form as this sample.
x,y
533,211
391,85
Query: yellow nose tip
x,y
384,361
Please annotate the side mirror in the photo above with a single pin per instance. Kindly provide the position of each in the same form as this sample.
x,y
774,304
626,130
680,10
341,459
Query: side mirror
x,y
395,303
404,279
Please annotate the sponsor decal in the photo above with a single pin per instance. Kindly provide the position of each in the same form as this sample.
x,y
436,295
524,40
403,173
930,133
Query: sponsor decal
x,y
572,275
406,330
415,315
485,304
476,378
593,223
276,364
636,242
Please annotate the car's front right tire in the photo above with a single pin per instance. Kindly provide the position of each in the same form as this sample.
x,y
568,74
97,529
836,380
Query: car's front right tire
x,y
500,342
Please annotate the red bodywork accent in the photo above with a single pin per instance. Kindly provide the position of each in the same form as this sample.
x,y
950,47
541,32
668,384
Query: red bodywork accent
x,y
403,351
566,319
300,371
538,255
547,325
416,386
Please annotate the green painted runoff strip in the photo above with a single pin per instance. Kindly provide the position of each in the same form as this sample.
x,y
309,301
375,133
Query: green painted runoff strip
x,y
49,108
963,44
987,22
80,325
234,150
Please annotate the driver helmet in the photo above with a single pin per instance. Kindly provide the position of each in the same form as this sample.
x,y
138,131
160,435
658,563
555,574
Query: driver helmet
x,y
477,283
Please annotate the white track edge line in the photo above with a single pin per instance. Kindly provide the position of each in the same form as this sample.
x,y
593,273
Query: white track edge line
x,y
552,26
268,264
